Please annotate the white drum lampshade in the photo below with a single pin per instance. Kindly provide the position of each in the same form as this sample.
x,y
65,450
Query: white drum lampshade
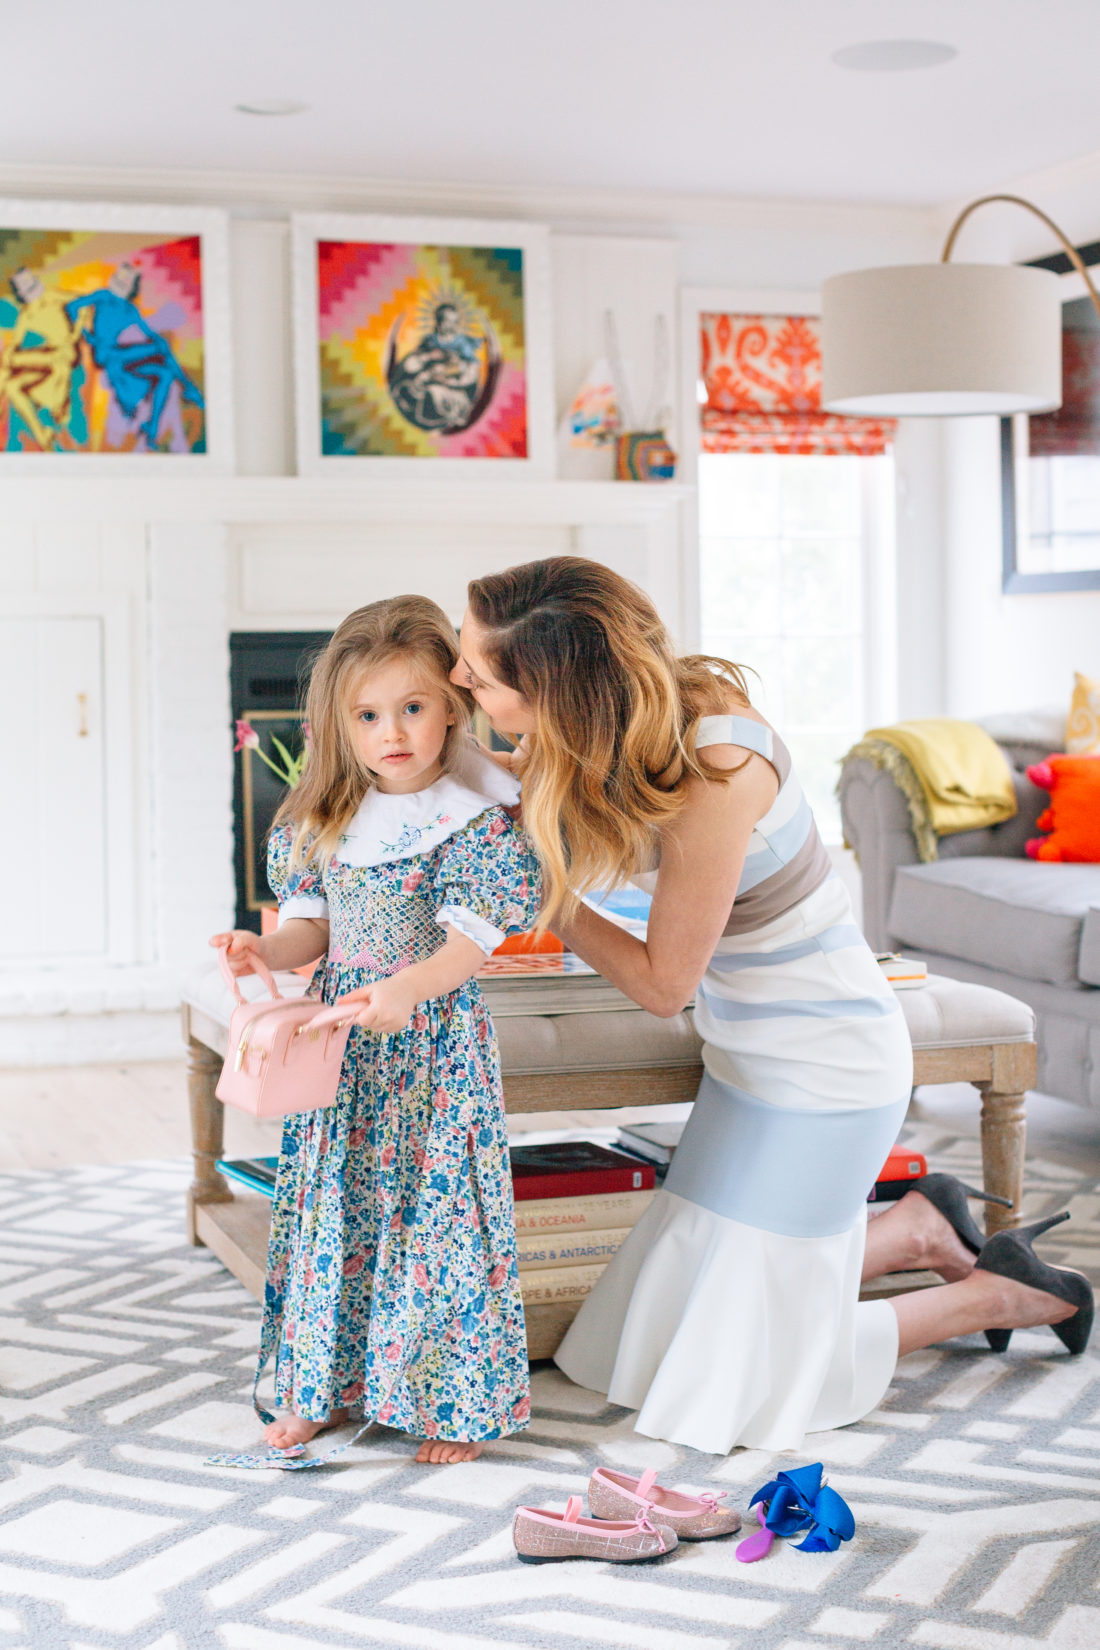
x,y
941,340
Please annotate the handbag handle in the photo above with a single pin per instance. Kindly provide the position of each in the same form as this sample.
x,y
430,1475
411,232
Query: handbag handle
x,y
258,967
338,1015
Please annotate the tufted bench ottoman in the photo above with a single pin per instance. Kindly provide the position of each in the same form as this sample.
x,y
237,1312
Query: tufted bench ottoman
x,y
576,1043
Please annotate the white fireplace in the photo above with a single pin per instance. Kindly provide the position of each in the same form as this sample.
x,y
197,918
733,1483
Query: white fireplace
x,y
118,601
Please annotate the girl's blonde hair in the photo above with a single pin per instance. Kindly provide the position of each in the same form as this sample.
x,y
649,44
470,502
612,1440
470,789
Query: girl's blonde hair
x,y
334,780
614,715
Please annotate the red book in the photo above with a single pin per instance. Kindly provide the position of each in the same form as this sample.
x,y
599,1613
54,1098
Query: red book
x,y
576,1168
903,1164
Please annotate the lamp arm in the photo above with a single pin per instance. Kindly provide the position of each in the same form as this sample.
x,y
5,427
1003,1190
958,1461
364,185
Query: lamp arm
x,y
1018,200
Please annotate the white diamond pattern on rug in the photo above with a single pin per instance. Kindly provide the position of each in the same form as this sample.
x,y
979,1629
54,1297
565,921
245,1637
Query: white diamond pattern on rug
x,y
126,1357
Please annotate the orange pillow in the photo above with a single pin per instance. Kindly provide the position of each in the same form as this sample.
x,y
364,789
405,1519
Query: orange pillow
x,y
1073,818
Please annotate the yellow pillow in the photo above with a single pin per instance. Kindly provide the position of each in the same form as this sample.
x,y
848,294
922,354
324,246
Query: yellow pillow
x,y
1083,727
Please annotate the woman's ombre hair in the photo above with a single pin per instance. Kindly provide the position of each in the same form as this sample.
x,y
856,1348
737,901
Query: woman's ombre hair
x,y
615,713
335,780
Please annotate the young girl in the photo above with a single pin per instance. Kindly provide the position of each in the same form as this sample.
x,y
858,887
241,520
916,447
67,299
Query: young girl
x,y
392,1284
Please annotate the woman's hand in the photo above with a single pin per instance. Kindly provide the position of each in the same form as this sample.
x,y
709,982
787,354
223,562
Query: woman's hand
x,y
243,948
385,1006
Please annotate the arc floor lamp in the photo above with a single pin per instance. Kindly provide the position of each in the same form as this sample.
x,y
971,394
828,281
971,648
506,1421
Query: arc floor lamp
x,y
946,339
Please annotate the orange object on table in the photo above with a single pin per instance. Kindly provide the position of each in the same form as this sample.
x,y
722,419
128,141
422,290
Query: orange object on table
x,y
519,945
269,922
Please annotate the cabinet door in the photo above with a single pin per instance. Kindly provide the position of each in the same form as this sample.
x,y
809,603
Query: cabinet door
x,y
52,835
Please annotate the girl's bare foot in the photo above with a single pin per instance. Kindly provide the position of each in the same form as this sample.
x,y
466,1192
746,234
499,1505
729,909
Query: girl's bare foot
x,y
295,1429
441,1451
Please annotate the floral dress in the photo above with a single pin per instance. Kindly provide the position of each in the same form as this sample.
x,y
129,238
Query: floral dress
x,y
392,1283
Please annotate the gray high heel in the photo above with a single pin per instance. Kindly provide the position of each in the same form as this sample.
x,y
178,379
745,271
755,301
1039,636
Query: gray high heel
x,y
1010,1255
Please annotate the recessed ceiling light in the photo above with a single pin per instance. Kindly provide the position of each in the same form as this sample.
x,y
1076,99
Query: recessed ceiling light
x,y
271,106
894,54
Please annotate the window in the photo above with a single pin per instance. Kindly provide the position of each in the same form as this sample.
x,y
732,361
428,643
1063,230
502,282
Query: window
x,y
796,582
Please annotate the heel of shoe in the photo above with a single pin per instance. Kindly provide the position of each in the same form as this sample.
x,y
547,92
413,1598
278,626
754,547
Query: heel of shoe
x,y
1028,1234
986,1197
998,1339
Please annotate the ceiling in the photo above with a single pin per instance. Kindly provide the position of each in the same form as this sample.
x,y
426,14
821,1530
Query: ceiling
x,y
714,97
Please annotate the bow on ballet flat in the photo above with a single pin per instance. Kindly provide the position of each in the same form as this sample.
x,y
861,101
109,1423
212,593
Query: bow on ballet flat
x,y
798,1503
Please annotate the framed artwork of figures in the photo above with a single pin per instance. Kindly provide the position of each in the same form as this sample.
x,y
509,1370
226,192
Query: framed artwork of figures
x,y
1050,463
422,344
114,339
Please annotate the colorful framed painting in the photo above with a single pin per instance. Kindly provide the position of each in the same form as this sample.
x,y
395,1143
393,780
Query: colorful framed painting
x,y
422,344
114,339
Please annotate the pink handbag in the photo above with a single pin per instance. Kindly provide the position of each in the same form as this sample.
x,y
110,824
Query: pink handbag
x,y
285,1054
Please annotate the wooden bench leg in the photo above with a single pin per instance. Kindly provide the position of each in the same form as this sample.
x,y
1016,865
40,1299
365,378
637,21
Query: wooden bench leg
x,y
1004,1129
207,1132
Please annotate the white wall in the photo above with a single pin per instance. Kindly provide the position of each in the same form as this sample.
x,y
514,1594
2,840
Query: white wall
x,y
1014,652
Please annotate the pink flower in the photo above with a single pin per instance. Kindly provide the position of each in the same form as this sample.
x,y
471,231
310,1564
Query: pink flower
x,y
496,826
393,1353
412,882
353,1266
385,1413
420,1022
497,1276
247,737
431,1429
442,1099
387,1156
356,1138
522,1410
420,1274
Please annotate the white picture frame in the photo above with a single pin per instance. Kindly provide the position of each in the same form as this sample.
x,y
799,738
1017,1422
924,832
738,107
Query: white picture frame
x,y
532,240
118,224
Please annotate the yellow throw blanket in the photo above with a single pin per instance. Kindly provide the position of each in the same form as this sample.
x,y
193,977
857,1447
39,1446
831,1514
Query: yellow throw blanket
x,y
963,774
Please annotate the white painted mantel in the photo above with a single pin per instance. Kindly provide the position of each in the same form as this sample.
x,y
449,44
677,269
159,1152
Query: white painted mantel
x,y
168,570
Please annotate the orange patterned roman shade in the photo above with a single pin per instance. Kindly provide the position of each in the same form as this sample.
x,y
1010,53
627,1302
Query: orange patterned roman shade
x,y
762,375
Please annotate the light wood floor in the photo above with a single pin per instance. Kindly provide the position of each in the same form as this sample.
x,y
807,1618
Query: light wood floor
x,y
53,1116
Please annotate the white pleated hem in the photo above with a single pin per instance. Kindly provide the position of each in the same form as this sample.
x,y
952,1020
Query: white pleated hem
x,y
722,1335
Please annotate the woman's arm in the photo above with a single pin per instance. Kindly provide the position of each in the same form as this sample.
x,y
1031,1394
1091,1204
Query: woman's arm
x,y
388,1004
702,855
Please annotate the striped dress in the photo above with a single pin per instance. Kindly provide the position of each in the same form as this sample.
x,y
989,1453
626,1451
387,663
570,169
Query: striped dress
x,y
731,1315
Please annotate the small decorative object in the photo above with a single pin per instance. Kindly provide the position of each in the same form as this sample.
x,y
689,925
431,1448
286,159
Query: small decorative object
x,y
114,338
288,768
1073,818
644,455
1083,724
593,418
642,451
264,783
800,1503
422,342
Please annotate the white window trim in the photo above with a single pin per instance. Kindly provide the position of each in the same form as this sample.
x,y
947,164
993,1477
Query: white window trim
x,y
880,631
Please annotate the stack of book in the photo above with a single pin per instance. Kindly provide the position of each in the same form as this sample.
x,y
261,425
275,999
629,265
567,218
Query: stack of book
x,y
575,1204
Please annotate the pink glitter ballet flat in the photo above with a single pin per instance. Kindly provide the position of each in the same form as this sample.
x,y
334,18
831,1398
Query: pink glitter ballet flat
x,y
543,1537
693,1517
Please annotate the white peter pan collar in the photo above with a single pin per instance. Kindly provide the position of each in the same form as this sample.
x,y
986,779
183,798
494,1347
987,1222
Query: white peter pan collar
x,y
389,827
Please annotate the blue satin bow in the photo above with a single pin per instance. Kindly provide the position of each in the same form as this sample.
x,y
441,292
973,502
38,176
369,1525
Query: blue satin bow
x,y
798,1501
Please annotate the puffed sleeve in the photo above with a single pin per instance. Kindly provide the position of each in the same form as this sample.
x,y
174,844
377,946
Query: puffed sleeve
x,y
301,892
488,885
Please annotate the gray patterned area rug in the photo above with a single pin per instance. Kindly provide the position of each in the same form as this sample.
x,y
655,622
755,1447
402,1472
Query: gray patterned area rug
x,y
126,1356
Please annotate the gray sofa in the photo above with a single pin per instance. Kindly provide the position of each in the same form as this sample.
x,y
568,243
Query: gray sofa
x,y
986,913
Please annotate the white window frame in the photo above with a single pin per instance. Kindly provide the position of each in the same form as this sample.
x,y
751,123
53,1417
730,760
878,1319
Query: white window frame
x,y
879,562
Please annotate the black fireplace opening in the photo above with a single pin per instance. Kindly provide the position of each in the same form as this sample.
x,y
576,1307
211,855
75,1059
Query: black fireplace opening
x,y
268,676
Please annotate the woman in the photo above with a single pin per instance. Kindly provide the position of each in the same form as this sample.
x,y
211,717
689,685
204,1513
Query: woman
x,y
731,1314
